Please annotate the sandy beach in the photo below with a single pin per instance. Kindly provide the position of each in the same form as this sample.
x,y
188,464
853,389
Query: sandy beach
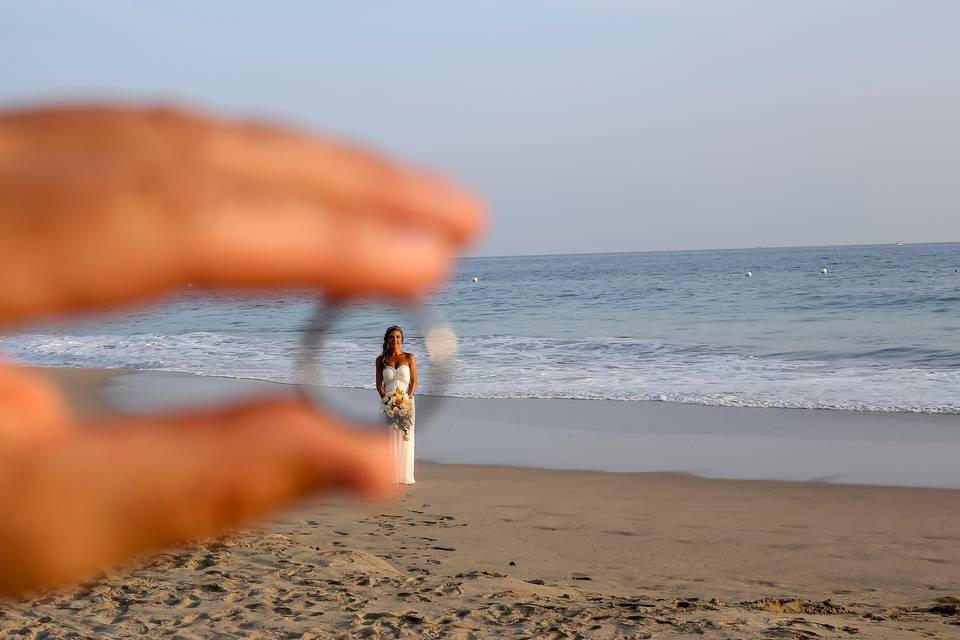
x,y
475,551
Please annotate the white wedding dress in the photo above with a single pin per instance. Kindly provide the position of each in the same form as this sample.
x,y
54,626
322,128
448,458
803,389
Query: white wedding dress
x,y
401,450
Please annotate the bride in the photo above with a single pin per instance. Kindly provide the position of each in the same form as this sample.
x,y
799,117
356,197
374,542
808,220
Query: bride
x,y
395,368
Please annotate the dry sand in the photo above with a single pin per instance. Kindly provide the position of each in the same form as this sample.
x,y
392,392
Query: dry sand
x,y
483,551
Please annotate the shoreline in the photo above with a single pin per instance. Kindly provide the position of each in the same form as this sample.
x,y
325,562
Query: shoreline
x,y
746,443
111,373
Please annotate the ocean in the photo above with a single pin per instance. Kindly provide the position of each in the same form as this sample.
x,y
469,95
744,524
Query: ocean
x,y
877,332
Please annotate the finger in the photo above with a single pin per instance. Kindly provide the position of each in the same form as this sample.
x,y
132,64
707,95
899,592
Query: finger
x,y
101,495
119,249
345,176
60,265
87,138
301,245
30,407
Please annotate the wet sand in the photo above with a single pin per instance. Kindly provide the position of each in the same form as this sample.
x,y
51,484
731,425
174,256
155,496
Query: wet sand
x,y
850,447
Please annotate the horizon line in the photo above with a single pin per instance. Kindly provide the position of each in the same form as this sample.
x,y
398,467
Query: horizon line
x,y
622,251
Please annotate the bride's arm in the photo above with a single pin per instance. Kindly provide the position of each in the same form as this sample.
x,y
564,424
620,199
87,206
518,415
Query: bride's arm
x,y
380,376
413,375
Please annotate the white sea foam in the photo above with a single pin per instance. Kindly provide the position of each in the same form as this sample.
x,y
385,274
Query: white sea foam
x,y
494,366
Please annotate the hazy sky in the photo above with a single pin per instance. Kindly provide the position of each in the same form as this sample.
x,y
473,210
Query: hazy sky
x,y
588,125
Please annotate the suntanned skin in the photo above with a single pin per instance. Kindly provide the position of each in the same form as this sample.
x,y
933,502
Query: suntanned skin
x,y
395,358
107,205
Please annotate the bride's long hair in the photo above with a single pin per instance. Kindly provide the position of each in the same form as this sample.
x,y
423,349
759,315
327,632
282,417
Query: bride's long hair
x,y
386,349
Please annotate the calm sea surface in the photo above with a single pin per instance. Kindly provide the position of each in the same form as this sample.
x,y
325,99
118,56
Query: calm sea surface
x,y
878,332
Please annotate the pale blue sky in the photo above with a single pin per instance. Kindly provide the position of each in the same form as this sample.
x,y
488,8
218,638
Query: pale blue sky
x,y
588,125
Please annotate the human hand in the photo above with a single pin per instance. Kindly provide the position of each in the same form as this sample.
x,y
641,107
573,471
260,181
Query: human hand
x,y
101,206
106,205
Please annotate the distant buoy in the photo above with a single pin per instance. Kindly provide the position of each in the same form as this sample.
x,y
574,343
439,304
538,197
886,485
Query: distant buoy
x,y
823,270
476,279
748,274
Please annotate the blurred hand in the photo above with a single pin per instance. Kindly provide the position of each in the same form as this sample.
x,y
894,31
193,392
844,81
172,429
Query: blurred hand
x,y
101,206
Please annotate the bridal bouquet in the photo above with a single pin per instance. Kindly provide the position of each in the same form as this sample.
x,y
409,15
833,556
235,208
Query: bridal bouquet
x,y
398,407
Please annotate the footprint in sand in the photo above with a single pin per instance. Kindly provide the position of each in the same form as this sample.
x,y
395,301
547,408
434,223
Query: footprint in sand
x,y
188,602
